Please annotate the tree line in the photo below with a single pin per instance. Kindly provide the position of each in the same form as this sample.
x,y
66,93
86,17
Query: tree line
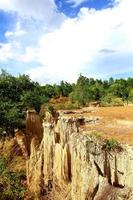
x,y
17,94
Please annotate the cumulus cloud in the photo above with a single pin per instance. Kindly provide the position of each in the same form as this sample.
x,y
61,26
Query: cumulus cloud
x,y
75,47
33,19
45,10
95,43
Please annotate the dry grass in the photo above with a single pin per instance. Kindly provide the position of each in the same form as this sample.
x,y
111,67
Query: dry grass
x,y
10,149
115,122
58,100
18,164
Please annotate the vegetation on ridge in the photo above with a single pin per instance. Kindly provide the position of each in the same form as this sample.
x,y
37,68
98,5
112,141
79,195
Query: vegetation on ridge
x,y
19,93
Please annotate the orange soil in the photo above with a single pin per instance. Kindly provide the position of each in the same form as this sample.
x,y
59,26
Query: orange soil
x,y
115,122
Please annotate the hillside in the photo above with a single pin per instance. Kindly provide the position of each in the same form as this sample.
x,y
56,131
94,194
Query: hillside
x,y
79,157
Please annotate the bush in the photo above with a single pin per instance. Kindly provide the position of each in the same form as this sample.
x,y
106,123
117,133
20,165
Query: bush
x,y
49,108
131,96
111,144
110,100
11,184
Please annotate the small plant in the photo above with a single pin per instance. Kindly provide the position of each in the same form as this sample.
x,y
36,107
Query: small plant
x,y
2,165
49,109
111,144
96,134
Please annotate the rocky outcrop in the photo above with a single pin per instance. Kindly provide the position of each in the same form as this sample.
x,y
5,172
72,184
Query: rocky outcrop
x,y
69,164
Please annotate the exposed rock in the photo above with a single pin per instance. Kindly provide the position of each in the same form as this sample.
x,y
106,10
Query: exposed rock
x,y
33,127
22,142
73,166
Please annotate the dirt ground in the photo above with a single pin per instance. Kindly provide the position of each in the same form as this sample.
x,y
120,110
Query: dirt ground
x,y
114,122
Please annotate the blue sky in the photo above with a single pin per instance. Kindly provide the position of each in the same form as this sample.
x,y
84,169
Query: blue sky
x,y
54,40
69,8
7,21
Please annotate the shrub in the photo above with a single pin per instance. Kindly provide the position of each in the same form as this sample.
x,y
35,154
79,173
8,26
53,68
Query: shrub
x,y
11,184
49,108
110,100
131,96
111,144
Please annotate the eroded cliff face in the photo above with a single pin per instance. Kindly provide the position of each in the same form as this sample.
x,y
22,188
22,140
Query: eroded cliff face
x,y
68,164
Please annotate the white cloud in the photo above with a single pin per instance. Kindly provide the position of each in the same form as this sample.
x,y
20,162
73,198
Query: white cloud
x,y
34,18
18,32
76,3
38,9
5,52
95,43
77,46
32,8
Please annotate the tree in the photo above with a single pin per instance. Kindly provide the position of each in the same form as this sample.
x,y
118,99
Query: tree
x,y
111,81
97,91
31,99
66,88
48,90
131,95
81,92
11,117
13,90
19,93
120,88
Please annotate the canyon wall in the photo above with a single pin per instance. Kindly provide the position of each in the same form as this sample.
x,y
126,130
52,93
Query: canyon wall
x,y
68,164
